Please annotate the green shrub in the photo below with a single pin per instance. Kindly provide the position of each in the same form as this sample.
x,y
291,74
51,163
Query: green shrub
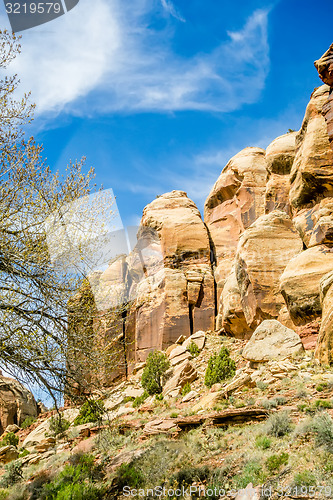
x,y
323,403
24,453
91,411
9,439
27,422
323,428
186,389
140,399
74,482
4,494
174,414
274,462
305,479
268,404
193,349
263,442
280,400
13,474
252,473
220,367
58,425
128,399
321,387
129,475
153,376
188,475
159,397
261,385
278,424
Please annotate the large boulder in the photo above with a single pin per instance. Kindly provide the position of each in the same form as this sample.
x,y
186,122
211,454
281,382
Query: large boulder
x,y
16,403
324,349
324,66
280,155
271,341
262,255
300,283
311,176
235,202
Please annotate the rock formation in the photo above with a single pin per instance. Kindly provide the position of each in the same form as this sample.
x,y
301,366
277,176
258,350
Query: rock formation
x,y
16,403
324,67
262,252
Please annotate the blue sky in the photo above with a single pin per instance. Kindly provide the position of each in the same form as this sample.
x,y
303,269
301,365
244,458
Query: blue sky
x,y
159,94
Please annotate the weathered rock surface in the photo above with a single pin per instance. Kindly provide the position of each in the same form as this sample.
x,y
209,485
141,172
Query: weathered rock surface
x,y
8,453
270,341
324,66
312,172
315,225
198,338
16,403
263,252
184,300
280,155
183,374
179,355
324,350
300,283
235,202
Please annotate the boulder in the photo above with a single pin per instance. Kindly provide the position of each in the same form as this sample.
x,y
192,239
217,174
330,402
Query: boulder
x,y
324,349
235,202
311,175
271,341
16,403
183,374
300,283
7,454
231,314
324,66
199,339
161,426
178,355
280,154
190,396
262,255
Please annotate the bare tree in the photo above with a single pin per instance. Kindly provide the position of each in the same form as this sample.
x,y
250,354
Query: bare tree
x,y
35,287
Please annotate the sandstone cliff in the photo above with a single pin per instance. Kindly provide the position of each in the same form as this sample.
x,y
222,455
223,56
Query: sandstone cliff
x,y
262,251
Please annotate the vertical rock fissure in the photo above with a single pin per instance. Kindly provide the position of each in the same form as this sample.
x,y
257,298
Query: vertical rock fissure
x,y
213,262
190,313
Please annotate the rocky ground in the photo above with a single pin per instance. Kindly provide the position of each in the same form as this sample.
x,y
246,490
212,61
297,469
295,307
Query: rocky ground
x,y
268,427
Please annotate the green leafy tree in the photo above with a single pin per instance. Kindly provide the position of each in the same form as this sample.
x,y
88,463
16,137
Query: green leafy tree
x,y
154,373
220,367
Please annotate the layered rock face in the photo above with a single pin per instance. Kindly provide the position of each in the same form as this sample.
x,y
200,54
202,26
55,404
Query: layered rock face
x,y
235,202
324,350
311,176
16,403
183,302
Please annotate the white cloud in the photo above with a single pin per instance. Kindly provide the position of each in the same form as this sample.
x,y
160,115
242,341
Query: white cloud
x,y
108,58
171,9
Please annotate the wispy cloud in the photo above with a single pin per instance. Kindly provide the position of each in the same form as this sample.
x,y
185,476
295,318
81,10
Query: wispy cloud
x,y
108,58
171,9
